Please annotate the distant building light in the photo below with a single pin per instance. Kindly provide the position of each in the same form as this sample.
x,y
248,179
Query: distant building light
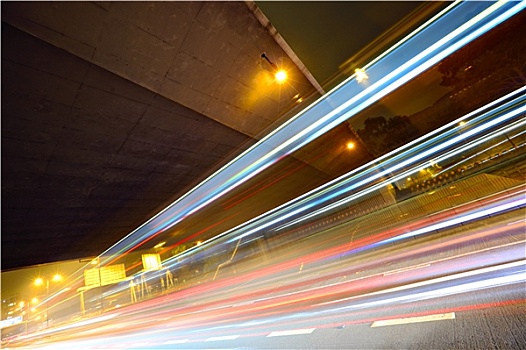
x,y
360,75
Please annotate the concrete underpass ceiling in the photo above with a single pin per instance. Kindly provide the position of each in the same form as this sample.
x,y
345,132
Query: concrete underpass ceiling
x,y
112,110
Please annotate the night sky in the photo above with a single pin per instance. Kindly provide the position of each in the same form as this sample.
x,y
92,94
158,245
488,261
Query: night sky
x,y
324,34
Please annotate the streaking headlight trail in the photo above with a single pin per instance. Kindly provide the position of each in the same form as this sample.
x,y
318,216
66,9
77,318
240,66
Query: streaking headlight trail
x,y
434,41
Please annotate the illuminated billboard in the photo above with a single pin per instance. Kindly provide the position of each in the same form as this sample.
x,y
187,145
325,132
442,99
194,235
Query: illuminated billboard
x,y
108,275
151,261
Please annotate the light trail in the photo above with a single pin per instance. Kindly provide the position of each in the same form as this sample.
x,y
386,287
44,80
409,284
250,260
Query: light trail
x,y
418,158
454,31
350,285
466,213
296,287
218,317
314,197
519,201
440,292
492,147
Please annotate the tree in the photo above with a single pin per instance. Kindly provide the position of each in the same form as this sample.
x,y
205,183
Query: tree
x,y
382,135
488,67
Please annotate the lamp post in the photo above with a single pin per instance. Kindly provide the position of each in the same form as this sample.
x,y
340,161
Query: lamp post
x,y
96,261
26,309
279,74
39,282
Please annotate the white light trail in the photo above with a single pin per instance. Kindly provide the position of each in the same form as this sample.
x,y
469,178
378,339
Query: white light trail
x,y
321,118
521,201
440,292
416,162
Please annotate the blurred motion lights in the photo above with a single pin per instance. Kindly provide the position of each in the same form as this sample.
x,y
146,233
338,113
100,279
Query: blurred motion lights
x,y
160,245
396,67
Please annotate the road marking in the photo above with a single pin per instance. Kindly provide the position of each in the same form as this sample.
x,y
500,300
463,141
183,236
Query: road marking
x,y
436,317
226,337
180,341
292,332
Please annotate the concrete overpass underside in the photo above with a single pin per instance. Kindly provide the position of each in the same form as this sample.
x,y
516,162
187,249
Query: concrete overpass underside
x,y
112,110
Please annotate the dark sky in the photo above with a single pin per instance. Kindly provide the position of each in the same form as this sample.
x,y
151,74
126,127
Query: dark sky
x,y
324,34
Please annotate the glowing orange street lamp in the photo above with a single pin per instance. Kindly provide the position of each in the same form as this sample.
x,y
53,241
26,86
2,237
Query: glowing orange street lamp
x,y
280,74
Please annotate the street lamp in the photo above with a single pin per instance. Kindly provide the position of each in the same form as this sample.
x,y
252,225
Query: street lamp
x,y
279,74
26,309
96,261
39,282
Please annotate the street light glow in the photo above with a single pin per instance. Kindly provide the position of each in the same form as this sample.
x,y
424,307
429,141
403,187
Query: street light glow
x,y
39,282
281,76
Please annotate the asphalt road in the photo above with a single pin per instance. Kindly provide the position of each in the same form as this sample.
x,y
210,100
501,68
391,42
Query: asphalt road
x,y
461,286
